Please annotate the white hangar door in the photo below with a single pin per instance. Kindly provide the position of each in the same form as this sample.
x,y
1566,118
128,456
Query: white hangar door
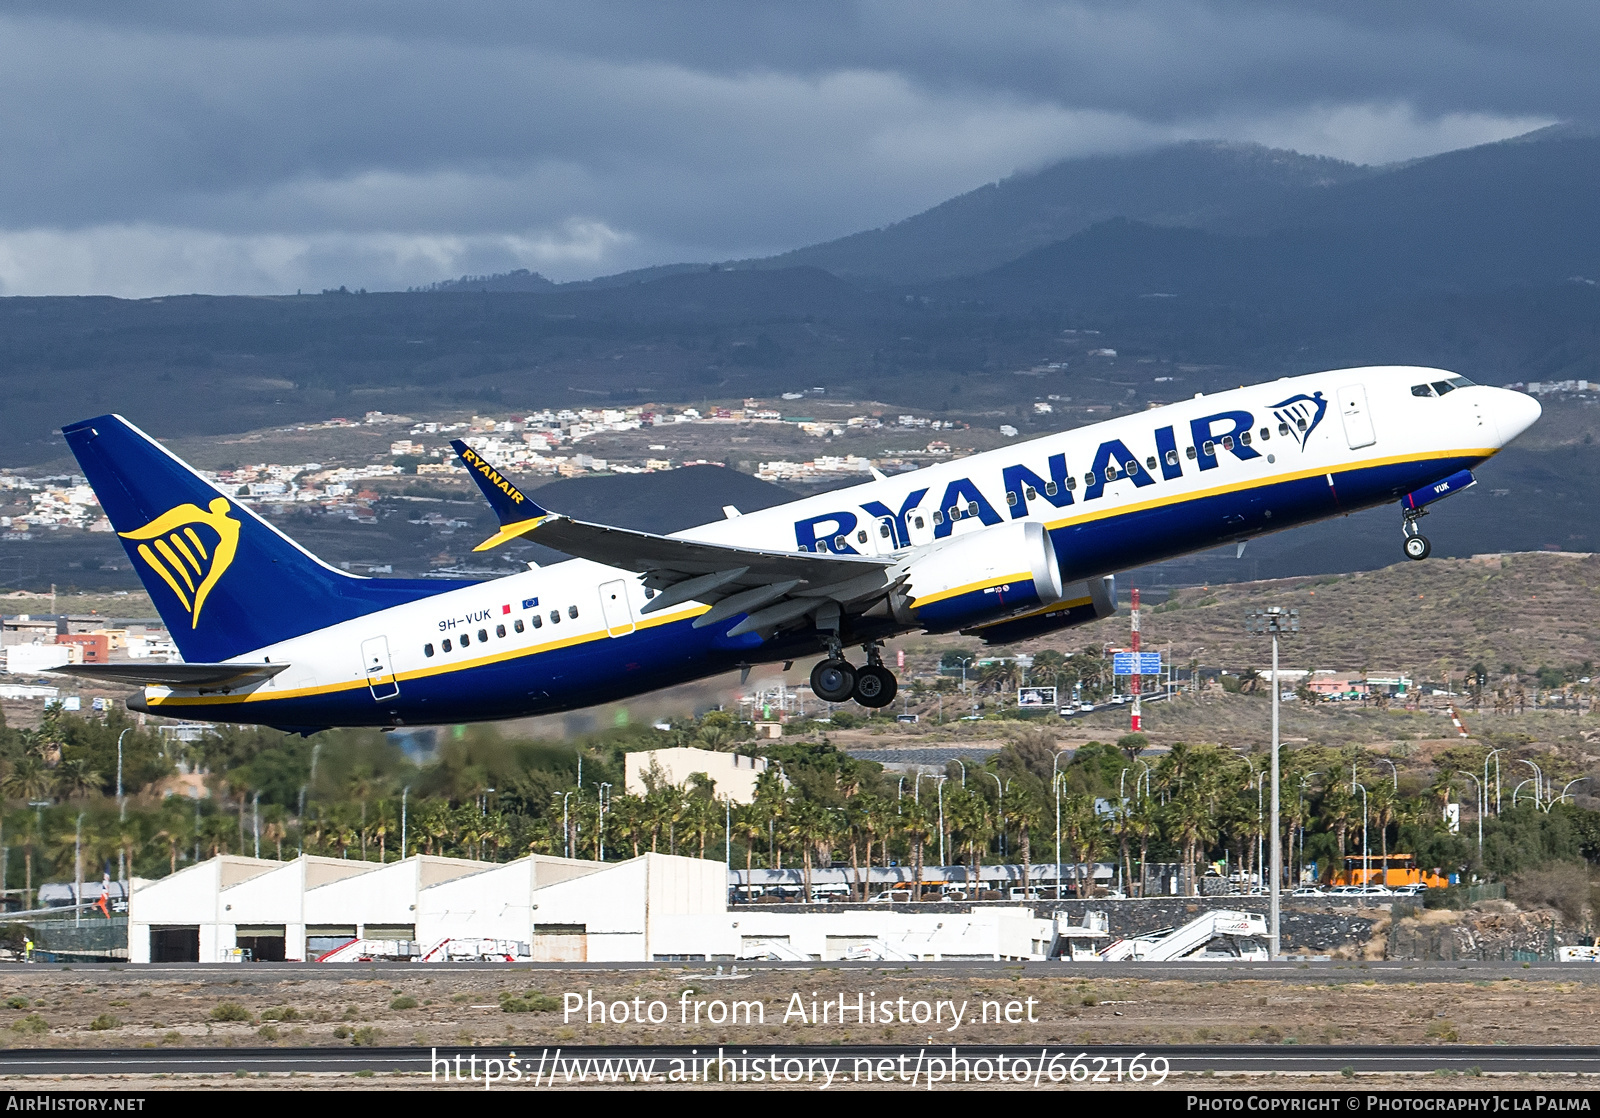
x,y
1357,418
380,672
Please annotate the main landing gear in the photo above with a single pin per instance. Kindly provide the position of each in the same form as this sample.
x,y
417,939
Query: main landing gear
x,y
836,680
1416,544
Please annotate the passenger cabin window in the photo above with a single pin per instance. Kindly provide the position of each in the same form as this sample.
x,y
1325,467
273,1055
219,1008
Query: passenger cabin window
x,y
1189,450
1011,498
883,531
1031,492
518,625
838,543
1227,442
972,508
1151,463
1072,483
572,612
465,640
538,622
1244,437
1300,423
1265,434
1172,457
1208,448
1111,473
445,644
1283,428
918,521
1131,466
555,617
483,636
861,536
499,630
427,650
1050,489
938,517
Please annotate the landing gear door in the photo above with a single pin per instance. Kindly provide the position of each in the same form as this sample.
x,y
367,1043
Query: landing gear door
x,y
1357,418
614,606
380,672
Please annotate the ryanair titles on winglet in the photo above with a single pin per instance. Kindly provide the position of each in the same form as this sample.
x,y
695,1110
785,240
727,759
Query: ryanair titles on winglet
x,y
473,459
1298,417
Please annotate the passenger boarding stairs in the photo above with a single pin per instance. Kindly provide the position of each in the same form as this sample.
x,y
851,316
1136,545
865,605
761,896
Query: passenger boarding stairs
x,y
1237,930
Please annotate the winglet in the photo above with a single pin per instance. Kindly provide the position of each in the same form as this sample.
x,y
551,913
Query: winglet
x,y
516,512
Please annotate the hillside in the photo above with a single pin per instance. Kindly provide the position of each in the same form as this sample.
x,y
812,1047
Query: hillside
x,y
1528,610
1191,184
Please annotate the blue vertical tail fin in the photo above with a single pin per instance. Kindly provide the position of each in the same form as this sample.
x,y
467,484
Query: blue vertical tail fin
x,y
225,581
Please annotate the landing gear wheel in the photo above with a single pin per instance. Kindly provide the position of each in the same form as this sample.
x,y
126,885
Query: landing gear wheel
x,y
833,681
875,686
1418,547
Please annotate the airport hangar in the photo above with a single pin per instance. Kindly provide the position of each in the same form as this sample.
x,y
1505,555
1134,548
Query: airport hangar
x,y
652,908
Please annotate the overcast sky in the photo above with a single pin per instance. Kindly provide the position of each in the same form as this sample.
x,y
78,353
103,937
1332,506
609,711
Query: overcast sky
x,y
266,147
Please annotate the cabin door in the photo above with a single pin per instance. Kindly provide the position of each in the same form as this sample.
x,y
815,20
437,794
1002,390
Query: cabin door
x,y
1357,419
380,672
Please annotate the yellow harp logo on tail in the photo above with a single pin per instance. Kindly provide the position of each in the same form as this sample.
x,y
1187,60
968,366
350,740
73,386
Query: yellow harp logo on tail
x,y
190,562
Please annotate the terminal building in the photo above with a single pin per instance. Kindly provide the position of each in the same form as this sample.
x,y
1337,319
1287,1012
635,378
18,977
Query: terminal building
x,y
656,907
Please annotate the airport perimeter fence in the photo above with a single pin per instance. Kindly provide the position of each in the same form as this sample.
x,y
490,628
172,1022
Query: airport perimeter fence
x,y
95,937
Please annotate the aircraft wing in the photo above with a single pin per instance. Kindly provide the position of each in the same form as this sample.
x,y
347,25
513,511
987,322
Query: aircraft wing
x,y
773,588
187,677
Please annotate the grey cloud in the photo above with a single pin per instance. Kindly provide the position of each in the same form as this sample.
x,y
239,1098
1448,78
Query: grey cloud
x,y
305,144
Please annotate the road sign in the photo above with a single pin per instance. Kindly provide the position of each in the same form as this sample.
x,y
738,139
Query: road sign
x,y
1136,663
1036,696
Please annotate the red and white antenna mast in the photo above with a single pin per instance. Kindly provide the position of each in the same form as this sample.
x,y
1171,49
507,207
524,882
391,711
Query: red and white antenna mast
x,y
1135,681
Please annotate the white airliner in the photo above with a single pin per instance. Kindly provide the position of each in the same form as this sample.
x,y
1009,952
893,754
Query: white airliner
x,y
1006,544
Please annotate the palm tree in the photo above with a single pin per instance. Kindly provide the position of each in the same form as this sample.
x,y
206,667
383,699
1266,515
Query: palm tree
x,y
749,821
28,780
1027,813
383,824
26,824
916,826
1385,806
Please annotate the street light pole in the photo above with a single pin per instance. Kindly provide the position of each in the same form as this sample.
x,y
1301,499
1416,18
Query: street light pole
x,y
1000,814
1055,784
1538,779
942,779
1366,862
122,805
1486,760
1481,805
404,793
1275,621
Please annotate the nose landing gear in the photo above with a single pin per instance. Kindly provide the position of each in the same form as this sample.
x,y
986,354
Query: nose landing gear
x,y
835,680
1416,544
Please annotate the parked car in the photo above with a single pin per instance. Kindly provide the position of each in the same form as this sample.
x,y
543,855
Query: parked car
x,y
1308,891
1026,895
1085,708
892,896
1345,891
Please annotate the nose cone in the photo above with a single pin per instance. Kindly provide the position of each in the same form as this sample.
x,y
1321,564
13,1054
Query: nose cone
x,y
1514,413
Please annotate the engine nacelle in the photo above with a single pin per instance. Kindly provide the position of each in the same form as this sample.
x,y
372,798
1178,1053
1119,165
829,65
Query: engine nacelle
x,y
1081,603
994,575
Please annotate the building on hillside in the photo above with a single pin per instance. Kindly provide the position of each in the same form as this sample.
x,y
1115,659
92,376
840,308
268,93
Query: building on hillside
x,y
734,775
1337,686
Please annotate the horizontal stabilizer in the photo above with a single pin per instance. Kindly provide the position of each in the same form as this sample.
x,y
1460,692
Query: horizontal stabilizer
x,y
184,677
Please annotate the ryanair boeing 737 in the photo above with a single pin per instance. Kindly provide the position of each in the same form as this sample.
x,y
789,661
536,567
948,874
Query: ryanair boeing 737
x,y
1006,545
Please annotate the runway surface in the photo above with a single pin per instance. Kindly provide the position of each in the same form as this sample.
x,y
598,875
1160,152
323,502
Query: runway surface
x,y
1073,1064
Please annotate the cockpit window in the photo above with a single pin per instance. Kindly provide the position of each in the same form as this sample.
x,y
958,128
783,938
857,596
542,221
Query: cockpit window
x,y
1463,382
1443,386
1421,390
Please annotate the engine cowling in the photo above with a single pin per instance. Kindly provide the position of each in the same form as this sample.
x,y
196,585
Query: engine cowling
x,y
1082,603
994,575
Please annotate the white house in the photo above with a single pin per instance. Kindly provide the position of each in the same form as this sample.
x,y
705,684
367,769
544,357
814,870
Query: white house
x,y
735,775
